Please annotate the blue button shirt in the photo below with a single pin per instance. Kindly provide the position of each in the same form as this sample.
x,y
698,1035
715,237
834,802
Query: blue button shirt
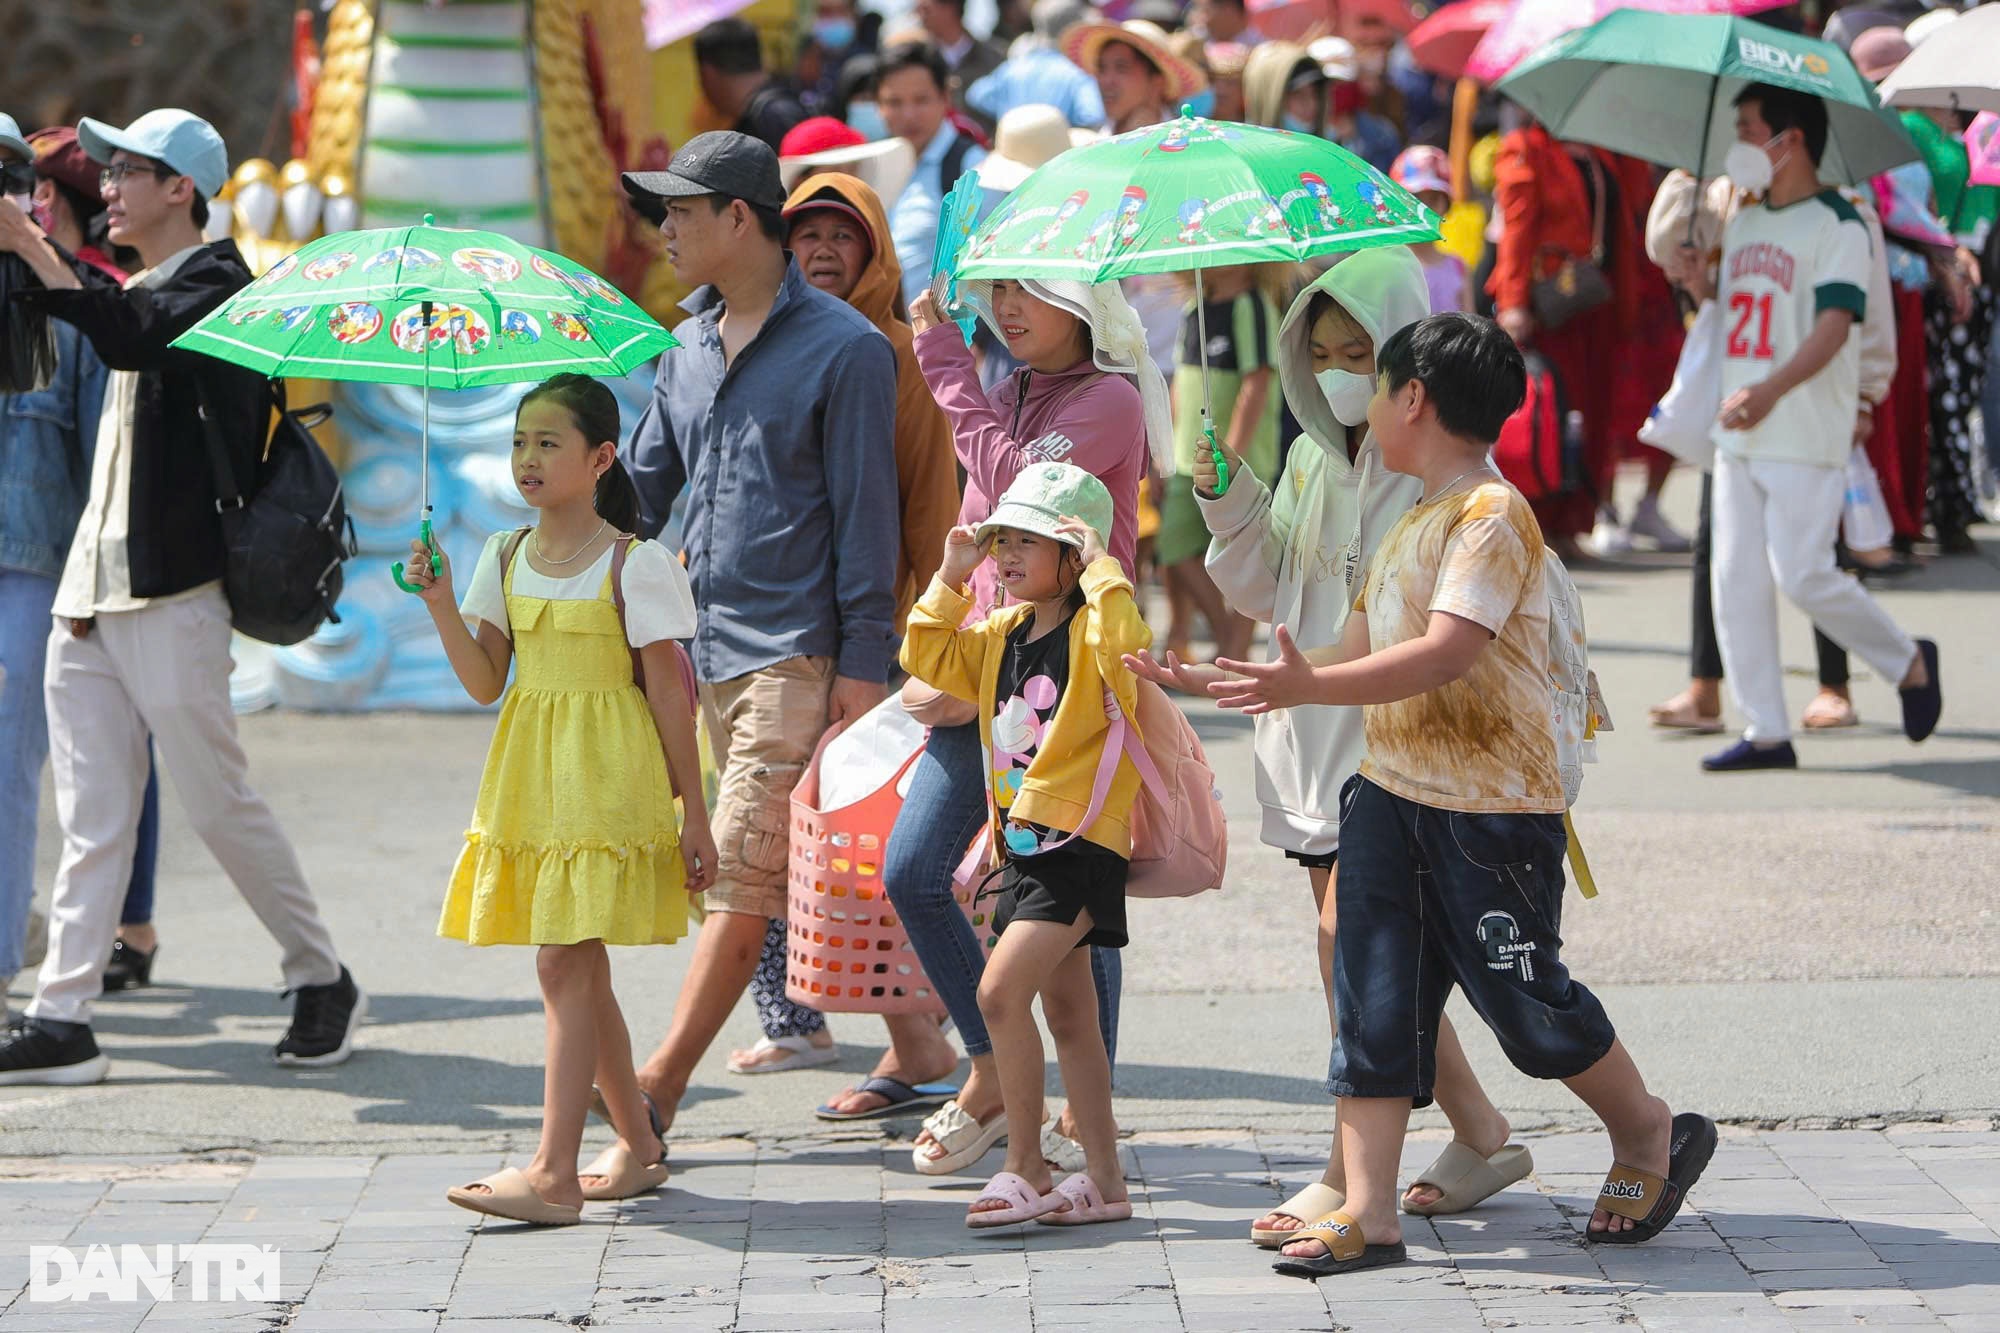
x,y
1045,77
787,456
913,218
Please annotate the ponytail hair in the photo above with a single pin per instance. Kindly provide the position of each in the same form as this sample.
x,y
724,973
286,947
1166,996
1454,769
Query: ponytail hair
x,y
617,500
594,409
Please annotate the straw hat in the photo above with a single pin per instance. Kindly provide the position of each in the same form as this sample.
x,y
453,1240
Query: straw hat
x,y
1085,42
1029,137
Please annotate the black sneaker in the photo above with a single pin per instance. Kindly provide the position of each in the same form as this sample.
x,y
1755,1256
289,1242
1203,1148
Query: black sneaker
x,y
323,1022
1744,757
42,1051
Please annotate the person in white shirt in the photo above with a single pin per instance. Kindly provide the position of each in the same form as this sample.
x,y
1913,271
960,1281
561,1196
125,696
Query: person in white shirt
x,y
1794,288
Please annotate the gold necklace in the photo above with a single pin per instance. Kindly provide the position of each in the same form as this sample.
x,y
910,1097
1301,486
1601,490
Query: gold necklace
x,y
602,524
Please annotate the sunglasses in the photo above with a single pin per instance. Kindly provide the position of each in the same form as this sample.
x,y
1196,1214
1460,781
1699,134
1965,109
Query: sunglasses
x,y
17,178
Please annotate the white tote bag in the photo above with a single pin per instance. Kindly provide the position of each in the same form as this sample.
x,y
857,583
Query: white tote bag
x,y
1683,422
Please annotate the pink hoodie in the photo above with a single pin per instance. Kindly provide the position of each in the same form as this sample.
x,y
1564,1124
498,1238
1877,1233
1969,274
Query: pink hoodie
x,y
1097,413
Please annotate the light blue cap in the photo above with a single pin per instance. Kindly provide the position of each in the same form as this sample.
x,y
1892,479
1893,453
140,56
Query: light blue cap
x,y
180,139
10,137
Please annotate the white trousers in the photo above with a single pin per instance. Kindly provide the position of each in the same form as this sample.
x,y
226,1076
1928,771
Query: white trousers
x,y
1774,525
163,669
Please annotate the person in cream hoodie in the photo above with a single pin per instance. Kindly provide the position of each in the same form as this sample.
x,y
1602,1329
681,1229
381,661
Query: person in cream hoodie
x,y
1295,556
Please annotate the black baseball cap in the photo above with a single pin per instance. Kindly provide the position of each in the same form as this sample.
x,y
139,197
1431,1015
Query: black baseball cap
x,y
720,162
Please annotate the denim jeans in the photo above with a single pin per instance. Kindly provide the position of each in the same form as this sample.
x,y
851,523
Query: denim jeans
x,y
25,600
1432,898
944,809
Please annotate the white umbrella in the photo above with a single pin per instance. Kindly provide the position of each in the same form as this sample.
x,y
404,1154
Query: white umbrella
x,y
1957,67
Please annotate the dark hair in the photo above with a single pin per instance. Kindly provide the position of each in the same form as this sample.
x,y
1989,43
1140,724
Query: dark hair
x,y
1471,371
769,220
955,6
914,55
857,79
594,409
730,46
1787,109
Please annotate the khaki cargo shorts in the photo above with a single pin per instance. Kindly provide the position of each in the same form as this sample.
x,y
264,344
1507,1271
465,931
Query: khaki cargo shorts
x,y
763,727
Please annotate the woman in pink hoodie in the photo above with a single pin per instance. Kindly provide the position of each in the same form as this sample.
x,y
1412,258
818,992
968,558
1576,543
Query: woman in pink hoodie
x,y
1074,401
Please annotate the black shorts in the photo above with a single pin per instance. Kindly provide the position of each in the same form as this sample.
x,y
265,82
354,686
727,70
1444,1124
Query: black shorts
x,y
1314,860
1056,885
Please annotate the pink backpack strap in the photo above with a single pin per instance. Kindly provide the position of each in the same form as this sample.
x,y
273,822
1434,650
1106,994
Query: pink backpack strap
x,y
624,543
1121,738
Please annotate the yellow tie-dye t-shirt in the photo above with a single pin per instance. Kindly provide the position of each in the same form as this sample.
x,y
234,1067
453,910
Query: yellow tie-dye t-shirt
x,y
1485,743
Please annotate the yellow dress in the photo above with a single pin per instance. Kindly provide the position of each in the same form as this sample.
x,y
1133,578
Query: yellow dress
x,y
575,834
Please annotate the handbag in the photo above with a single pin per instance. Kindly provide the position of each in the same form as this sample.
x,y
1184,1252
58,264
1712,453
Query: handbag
x,y
1578,285
1683,421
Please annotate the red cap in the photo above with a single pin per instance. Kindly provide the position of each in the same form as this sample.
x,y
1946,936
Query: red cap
x,y
820,134
59,157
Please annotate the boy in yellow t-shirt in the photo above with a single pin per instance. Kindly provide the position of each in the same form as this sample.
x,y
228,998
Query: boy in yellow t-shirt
x,y
1452,833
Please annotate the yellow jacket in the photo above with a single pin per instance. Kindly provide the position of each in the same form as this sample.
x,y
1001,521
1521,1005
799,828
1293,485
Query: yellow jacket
x,y
965,663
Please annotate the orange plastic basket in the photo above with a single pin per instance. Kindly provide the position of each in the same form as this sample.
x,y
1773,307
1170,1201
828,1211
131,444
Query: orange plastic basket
x,y
846,949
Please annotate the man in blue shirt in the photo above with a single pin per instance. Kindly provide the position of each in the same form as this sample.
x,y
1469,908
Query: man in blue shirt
x,y
775,421
913,92
1038,73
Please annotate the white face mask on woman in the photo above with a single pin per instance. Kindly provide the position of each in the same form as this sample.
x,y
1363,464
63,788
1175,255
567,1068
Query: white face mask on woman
x,y
1348,394
1749,167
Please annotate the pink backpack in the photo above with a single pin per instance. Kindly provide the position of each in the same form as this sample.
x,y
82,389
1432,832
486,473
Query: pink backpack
x,y
1180,841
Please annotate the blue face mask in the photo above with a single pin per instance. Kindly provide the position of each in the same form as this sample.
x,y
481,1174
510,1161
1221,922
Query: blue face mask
x,y
833,34
866,118
1201,104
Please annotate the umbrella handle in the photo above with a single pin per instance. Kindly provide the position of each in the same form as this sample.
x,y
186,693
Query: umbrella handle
x,y
1221,460
437,563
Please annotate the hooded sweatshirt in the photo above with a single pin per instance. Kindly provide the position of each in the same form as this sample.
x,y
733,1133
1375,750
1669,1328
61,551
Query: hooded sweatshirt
x,y
1082,415
1297,556
926,477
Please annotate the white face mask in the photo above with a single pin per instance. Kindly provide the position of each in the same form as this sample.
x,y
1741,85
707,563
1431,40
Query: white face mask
x,y
1749,167
1348,394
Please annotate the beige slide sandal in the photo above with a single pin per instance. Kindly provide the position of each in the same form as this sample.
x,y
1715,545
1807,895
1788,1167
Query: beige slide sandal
x,y
624,1177
1464,1179
511,1197
1309,1205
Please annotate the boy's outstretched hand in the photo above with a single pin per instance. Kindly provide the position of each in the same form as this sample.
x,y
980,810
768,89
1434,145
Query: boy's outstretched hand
x,y
1194,677
962,554
1087,537
1260,687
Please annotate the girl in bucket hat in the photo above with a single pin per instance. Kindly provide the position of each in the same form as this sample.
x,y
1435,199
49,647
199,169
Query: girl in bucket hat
x,y
1039,671
1071,402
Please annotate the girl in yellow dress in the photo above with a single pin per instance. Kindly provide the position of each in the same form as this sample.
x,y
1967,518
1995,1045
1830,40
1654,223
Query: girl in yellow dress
x,y
574,843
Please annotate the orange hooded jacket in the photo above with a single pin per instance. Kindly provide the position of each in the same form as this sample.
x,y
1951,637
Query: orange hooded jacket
x,y
926,469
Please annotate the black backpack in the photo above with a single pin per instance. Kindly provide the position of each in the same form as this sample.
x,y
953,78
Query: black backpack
x,y
285,542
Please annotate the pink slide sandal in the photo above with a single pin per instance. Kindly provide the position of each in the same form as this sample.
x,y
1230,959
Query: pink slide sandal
x,y
1081,1205
1024,1205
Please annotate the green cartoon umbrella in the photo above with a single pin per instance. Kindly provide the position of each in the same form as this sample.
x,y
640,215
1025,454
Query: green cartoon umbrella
x,y
1192,194
428,305
1662,87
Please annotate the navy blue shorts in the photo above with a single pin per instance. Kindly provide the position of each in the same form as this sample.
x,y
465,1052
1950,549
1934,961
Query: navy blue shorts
x,y
1429,899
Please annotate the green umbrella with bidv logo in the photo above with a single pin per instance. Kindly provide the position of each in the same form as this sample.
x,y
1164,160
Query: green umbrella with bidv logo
x,y
1662,87
437,306
1192,193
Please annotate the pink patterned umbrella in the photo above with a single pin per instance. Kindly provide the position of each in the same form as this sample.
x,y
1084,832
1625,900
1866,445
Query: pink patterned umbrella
x,y
1293,19
667,21
1528,24
1982,142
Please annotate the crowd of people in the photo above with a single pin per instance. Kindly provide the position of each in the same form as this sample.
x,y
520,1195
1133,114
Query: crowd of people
x,y
872,503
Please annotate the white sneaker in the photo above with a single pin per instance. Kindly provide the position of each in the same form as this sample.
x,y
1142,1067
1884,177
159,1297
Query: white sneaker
x,y
1649,522
1607,538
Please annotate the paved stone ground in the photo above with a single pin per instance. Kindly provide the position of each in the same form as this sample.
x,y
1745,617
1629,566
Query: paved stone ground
x,y
1788,1230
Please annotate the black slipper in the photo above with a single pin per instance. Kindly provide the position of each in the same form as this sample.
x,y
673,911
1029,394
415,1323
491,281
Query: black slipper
x,y
903,1098
603,1112
1922,704
1347,1250
1649,1200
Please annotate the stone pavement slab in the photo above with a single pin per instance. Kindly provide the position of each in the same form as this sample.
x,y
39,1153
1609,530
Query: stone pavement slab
x,y
1788,1230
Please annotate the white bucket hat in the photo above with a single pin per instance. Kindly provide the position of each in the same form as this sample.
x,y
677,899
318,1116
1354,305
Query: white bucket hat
x,y
1029,137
